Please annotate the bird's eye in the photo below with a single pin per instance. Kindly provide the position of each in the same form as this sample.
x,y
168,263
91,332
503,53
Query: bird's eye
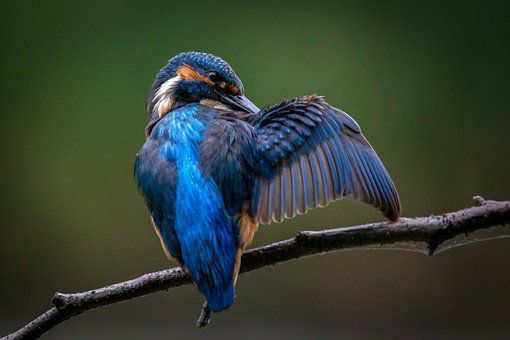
x,y
214,76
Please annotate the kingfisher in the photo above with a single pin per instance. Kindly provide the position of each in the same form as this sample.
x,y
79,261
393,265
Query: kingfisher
x,y
214,167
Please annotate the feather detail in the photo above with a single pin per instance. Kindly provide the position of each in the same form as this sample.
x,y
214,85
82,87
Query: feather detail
x,y
311,154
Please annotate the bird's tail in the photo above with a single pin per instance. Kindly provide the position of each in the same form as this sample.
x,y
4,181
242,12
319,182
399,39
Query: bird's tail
x,y
209,253
218,298
217,286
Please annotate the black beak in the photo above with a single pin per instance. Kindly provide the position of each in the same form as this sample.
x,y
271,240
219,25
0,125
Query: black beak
x,y
240,103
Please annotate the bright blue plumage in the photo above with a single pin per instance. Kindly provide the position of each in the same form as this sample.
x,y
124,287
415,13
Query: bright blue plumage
x,y
214,166
195,225
205,231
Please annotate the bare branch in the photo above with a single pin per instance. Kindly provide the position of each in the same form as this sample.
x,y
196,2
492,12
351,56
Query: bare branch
x,y
429,235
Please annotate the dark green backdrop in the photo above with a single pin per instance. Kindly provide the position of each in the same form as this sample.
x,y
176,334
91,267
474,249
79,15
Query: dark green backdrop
x,y
428,83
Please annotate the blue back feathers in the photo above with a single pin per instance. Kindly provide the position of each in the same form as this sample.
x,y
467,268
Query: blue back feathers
x,y
192,218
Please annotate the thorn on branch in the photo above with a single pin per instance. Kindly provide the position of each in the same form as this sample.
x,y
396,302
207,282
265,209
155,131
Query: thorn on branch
x,y
479,200
432,245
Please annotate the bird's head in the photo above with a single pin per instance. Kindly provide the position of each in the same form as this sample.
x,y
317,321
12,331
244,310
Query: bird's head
x,y
194,77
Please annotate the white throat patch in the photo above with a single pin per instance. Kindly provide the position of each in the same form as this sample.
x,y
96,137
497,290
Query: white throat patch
x,y
164,98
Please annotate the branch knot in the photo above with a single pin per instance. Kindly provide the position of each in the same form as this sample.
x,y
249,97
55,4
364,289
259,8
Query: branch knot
x,y
303,237
59,300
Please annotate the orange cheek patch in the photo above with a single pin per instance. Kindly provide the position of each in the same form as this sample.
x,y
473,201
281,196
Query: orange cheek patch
x,y
187,72
234,89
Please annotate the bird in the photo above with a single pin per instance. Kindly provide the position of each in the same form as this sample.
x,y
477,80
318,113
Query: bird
x,y
214,167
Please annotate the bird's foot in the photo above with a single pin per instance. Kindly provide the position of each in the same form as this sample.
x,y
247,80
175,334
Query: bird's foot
x,y
204,317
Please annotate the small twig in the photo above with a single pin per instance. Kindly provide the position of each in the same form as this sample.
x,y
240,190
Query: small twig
x,y
433,231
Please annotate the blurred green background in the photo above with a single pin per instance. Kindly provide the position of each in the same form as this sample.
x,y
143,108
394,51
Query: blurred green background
x,y
428,82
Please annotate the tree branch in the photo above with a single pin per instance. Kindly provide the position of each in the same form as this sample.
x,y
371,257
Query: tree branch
x,y
429,235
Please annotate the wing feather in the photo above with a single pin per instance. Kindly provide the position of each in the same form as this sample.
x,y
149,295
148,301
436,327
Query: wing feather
x,y
336,191
287,186
308,185
298,191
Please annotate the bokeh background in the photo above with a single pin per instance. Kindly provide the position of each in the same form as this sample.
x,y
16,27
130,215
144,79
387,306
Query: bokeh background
x,y
428,82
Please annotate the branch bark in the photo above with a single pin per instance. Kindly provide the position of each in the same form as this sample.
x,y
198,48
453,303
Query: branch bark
x,y
428,235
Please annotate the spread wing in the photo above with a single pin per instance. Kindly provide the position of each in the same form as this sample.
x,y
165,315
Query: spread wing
x,y
311,154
